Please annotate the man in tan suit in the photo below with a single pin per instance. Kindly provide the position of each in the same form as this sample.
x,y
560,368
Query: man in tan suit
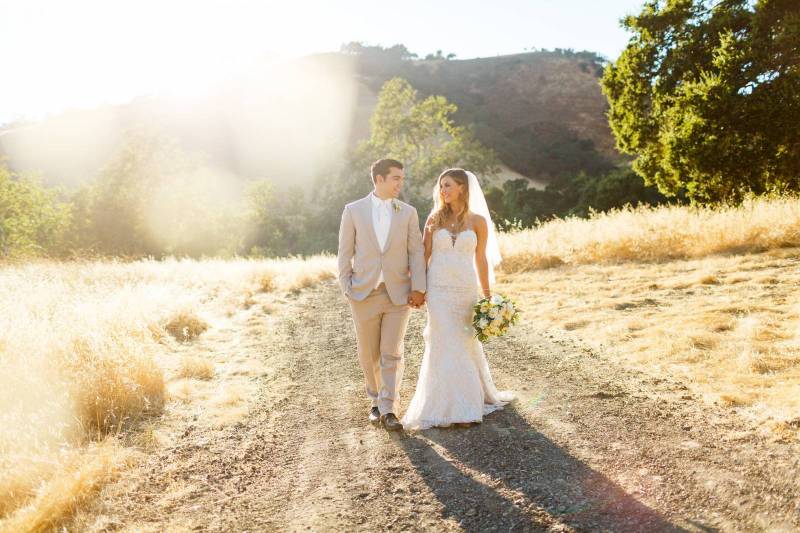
x,y
382,274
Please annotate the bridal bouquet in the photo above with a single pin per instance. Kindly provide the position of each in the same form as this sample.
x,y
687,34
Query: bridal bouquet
x,y
493,316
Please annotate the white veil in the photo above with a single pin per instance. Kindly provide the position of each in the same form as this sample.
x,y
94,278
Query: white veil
x,y
477,204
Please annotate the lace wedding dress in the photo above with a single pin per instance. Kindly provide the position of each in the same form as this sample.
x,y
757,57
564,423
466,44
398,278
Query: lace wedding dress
x,y
454,385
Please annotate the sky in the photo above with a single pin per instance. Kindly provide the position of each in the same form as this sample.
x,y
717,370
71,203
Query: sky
x,y
58,55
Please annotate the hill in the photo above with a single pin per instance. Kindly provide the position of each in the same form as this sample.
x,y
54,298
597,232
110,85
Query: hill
x,y
543,113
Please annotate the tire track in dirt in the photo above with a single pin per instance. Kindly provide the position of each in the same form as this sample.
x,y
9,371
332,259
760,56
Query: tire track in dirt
x,y
586,446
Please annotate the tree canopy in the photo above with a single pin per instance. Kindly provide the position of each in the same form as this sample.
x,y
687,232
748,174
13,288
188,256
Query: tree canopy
x,y
424,136
33,220
706,96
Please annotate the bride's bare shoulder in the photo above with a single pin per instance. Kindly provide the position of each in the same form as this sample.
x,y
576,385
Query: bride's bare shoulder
x,y
429,222
477,221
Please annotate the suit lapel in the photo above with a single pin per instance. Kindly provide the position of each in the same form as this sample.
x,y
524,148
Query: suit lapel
x,y
367,213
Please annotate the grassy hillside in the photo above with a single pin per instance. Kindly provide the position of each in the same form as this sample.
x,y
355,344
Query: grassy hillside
x,y
705,295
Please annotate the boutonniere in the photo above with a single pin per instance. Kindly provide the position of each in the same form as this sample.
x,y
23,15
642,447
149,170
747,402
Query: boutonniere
x,y
395,206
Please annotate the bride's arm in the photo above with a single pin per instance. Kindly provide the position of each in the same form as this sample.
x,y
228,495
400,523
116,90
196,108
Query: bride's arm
x,y
482,231
427,240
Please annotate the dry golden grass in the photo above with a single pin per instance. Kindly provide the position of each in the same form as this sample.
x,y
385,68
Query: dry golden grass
x,y
294,274
266,282
249,300
655,234
684,303
80,345
77,481
185,326
196,367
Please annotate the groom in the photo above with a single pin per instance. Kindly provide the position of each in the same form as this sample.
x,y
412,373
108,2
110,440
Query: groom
x,y
382,273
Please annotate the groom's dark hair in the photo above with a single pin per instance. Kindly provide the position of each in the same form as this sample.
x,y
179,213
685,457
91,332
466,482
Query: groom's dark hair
x,y
381,167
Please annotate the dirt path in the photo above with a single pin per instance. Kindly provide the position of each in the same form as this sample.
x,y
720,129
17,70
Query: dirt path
x,y
585,447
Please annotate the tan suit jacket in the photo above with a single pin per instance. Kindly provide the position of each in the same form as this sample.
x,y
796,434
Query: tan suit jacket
x,y
360,258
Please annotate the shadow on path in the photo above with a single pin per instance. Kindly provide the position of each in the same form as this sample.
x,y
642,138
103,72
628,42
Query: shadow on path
x,y
503,474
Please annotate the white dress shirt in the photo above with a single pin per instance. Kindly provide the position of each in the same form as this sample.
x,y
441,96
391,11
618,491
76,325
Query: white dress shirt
x,y
381,220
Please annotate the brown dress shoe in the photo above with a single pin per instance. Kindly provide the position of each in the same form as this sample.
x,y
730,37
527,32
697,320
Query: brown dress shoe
x,y
391,422
374,415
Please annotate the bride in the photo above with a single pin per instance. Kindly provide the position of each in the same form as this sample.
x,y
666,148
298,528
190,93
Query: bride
x,y
455,385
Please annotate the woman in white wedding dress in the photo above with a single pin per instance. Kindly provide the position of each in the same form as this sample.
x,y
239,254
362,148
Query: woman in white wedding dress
x,y
455,386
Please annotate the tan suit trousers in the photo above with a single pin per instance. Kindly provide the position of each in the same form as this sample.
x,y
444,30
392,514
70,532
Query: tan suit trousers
x,y
380,330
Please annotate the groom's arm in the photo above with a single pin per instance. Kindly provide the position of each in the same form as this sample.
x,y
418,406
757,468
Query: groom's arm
x,y
344,256
416,254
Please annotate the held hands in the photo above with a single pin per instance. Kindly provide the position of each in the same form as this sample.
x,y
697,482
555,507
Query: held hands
x,y
416,299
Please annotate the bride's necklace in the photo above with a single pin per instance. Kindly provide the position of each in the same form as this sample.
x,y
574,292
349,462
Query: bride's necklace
x,y
451,227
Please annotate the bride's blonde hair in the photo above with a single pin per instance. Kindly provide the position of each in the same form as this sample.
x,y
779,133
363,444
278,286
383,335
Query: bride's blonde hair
x,y
459,175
